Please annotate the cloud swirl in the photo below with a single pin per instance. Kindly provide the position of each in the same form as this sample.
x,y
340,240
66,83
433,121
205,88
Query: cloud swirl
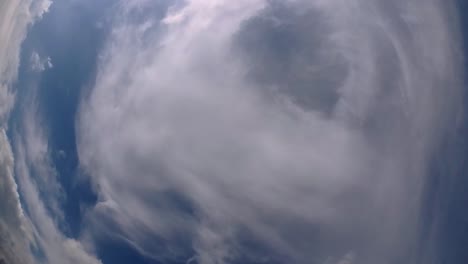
x,y
305,128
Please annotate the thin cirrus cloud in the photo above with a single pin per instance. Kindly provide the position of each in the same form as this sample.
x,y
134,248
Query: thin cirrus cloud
x,y
24,233
39,64
15,17
41,193
303,127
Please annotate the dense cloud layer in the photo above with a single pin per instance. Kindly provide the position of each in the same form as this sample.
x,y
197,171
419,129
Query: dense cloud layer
x,y
228,130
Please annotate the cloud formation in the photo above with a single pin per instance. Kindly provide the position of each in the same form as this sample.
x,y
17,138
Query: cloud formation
x,y
25,232
15,17
42,193
12,222
39,64
304,128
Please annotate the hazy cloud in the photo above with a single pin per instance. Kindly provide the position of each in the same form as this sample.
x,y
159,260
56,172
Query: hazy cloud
x,y
35,228
14,238
39,64
43,195
15,17
303,127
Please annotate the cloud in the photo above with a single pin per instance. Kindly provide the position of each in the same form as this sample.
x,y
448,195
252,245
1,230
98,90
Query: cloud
x,y
39,64
36,228
15,17
348,258
303,127
43,195
12,223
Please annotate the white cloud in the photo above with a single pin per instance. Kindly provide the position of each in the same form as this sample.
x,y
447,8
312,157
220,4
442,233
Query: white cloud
x,y
39,8
42,195
14,240
77,254
347,259
15,17
194,133
39,64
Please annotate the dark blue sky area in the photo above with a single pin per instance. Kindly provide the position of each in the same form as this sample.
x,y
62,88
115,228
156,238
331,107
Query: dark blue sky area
x,y
452,182
68,34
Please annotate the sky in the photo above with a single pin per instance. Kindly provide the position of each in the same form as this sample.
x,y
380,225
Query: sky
x,y
226,132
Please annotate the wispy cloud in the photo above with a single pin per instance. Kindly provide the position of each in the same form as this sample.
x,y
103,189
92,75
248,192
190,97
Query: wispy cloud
x,y
39,64
21,230
305,127
14,241
42,194
15,17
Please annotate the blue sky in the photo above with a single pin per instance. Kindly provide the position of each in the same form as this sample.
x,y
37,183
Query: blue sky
x,y
210,131
68,34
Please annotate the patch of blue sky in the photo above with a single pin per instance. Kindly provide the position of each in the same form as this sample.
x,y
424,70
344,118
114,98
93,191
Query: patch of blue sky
x,y
71,35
